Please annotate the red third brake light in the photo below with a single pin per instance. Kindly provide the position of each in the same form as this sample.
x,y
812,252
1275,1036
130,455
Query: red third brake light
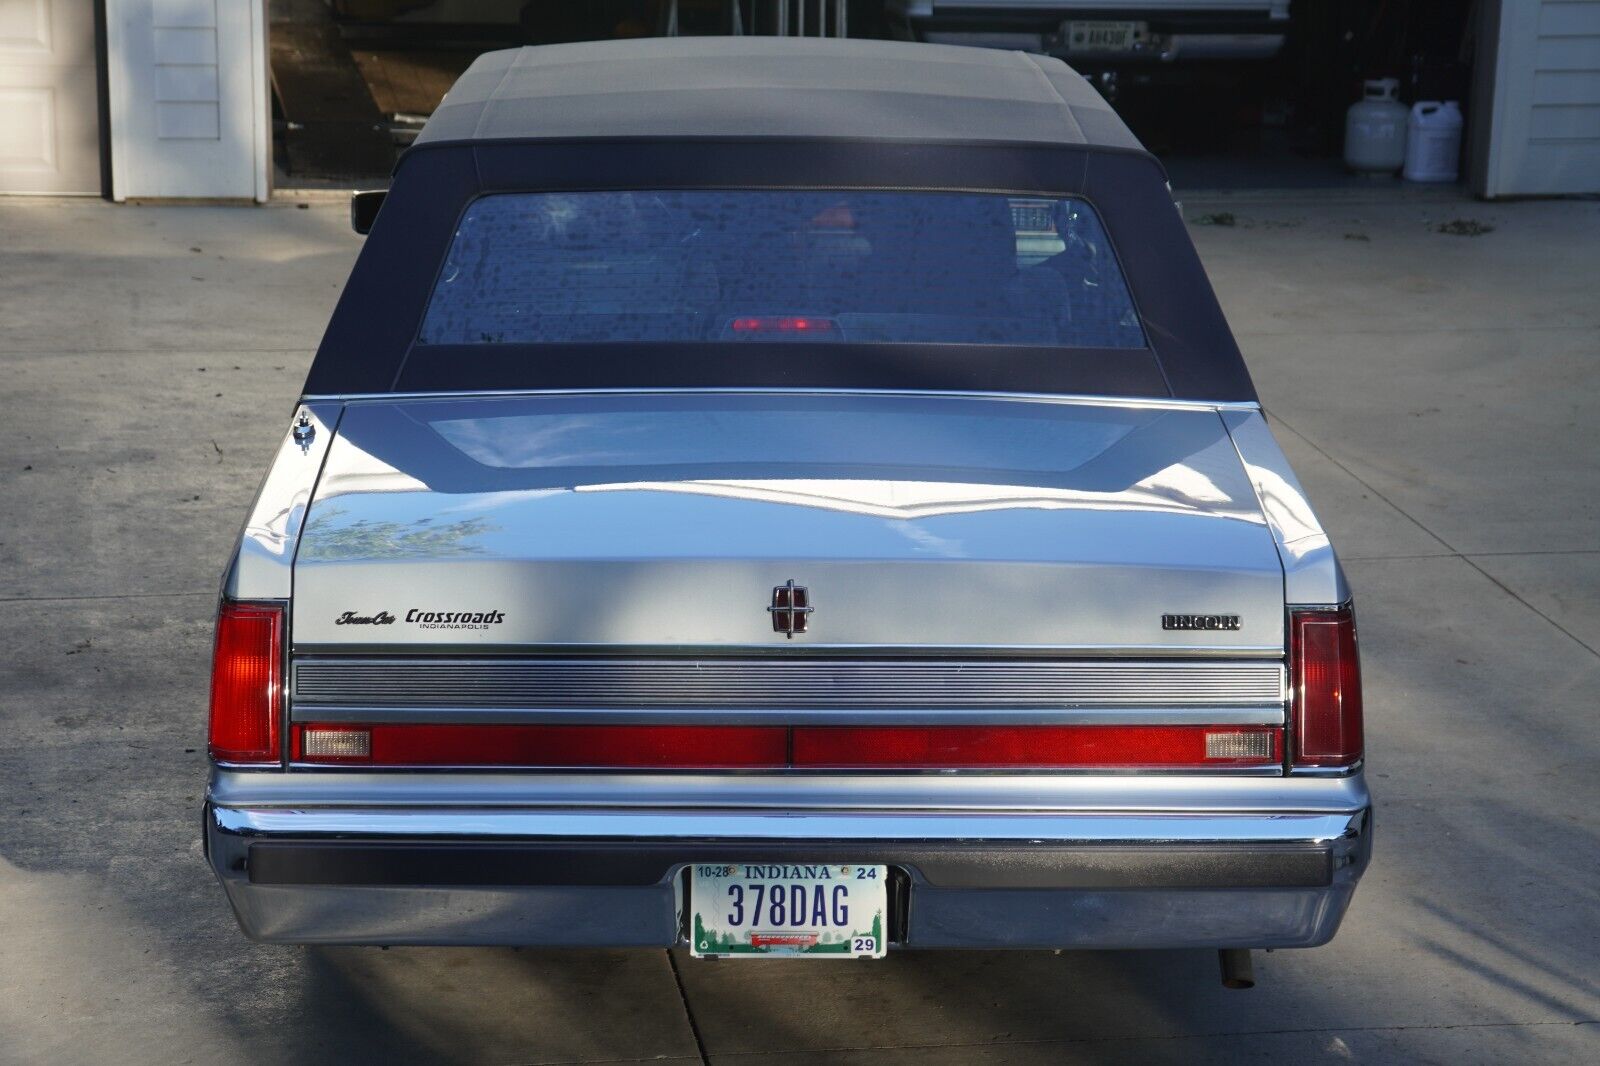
x,y
1325,673
781,324
246,684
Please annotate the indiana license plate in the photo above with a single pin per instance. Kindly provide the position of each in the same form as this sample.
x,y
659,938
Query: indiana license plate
x,y
1103,36
815,911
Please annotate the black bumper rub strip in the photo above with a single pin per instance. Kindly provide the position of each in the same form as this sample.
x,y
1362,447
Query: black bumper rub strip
x,y
643,863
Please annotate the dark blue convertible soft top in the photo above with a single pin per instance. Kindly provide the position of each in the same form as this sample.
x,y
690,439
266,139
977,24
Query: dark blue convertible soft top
x,y
750,113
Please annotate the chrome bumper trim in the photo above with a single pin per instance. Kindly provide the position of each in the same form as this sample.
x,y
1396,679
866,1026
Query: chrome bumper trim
x,y
970,792
613,877
641,863
804,827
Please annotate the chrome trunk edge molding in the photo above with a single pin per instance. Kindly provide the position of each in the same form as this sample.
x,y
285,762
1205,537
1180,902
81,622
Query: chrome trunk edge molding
x,y
1075,399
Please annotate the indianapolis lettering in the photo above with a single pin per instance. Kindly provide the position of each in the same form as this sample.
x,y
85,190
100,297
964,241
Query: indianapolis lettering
x,y
454,619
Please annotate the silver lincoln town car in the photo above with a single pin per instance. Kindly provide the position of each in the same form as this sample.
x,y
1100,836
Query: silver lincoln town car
x,y
791,498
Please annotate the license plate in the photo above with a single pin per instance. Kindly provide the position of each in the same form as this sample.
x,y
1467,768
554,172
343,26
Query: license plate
x,y
824,912
1103,36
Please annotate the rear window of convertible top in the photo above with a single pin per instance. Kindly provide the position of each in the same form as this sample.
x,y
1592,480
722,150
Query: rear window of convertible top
x,y
781,265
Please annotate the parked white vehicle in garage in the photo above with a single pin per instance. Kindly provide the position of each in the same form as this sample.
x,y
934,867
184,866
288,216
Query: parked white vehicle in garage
x,y
1104,31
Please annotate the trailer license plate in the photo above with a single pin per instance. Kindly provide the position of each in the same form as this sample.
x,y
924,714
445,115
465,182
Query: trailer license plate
x,y
1103,36
812,911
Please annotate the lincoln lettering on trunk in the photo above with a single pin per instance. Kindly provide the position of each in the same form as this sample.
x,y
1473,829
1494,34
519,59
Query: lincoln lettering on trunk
x,y
1200,621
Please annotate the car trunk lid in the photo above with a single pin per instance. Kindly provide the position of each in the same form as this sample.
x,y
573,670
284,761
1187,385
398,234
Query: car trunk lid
x,y
666,523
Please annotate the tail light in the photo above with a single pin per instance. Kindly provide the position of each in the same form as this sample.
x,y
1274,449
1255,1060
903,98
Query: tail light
x,y
799,747
1042,747
246,684
1325,674
666,746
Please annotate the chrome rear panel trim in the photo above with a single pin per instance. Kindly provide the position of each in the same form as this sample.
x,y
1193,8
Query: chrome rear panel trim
x,y
790,684
316,712
819,649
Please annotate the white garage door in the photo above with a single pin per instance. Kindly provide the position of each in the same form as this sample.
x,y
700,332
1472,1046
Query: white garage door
x,y
49,107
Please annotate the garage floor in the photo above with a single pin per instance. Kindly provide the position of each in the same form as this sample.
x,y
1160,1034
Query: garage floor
x,y
1437,393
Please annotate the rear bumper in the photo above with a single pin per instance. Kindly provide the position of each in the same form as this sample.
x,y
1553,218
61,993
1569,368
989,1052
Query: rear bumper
x,y
615,876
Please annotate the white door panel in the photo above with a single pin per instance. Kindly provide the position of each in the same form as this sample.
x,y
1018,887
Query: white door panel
x,y
49,107
188,98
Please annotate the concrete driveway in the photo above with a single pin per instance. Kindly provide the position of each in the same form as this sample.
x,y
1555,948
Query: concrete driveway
x,y
1437,393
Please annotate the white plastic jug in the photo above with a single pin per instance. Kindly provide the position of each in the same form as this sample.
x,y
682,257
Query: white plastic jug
x,y
1433,141
1375,128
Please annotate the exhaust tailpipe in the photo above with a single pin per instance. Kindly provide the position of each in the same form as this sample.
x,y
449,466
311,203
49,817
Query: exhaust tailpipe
x,y
1237,969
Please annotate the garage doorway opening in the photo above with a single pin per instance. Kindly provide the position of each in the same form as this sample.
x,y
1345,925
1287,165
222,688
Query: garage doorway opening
x,y
354,80
1255,100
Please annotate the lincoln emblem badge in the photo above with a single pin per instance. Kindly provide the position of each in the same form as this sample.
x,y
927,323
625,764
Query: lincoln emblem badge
x,y
790,605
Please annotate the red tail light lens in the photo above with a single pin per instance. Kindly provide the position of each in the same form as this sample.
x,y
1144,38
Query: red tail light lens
x,y
802,747
1326,676
246,684
667,747
1035,747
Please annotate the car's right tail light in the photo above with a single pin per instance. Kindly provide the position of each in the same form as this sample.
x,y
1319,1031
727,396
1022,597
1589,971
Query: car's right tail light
x,y
1325,674
246,684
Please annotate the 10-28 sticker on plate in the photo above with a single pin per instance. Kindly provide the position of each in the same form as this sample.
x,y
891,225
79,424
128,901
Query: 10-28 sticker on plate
x,y
815,911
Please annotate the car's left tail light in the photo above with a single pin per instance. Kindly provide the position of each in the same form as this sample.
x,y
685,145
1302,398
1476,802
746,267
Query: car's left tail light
x,y
247,685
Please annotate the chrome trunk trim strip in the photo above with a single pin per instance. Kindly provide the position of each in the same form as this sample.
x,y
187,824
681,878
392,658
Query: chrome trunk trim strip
x,y
1219,716
790,685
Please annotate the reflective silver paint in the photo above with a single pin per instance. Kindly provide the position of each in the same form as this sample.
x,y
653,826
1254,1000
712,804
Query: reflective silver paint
x,y
930,522
261,568
1311,570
